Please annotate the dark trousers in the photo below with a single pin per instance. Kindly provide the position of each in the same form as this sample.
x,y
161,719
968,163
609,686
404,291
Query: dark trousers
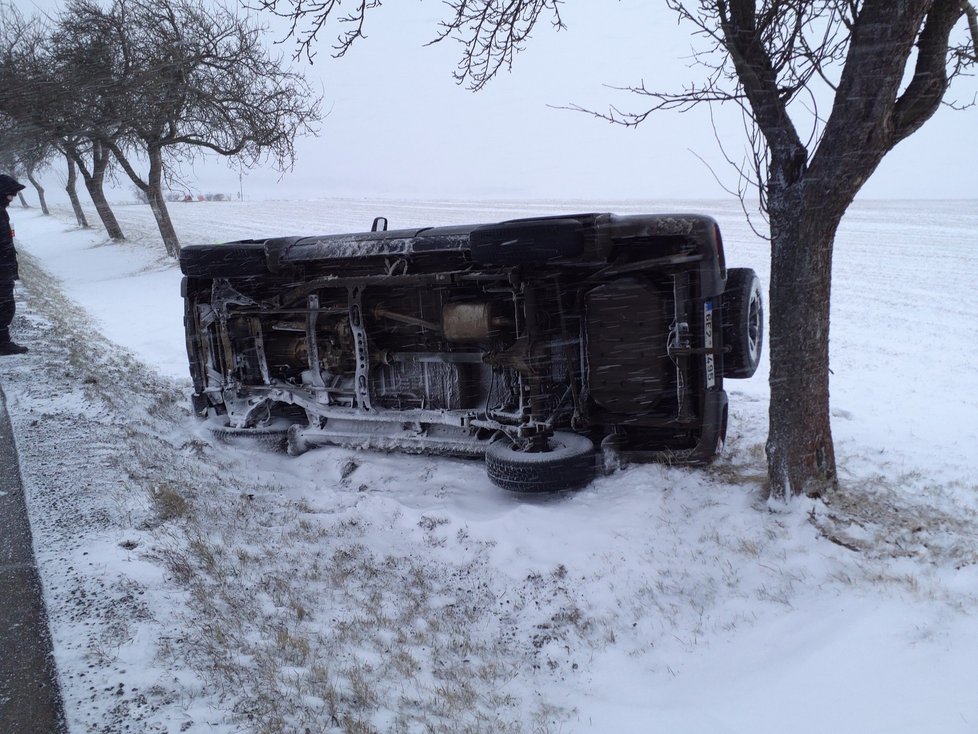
x,y
7,308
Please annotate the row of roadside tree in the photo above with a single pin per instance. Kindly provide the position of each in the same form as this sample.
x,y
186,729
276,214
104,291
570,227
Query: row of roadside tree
x,y
141,87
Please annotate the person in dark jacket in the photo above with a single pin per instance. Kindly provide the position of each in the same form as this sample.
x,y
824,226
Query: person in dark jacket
x,y
8,266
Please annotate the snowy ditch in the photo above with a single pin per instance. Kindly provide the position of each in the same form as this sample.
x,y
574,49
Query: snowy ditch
x,y
195,585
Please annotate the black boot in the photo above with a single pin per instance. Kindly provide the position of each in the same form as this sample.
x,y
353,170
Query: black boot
x,y
12,348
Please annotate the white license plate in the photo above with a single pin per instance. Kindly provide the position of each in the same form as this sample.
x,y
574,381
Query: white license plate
x,y
711,374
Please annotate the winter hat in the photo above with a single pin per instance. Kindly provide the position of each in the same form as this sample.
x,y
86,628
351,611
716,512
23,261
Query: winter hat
x,y
9,185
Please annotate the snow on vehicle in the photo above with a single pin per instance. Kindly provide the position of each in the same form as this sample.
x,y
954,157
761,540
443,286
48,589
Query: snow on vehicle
x,y
554,347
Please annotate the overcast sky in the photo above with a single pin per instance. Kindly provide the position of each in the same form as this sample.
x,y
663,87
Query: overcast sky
x,y
398,124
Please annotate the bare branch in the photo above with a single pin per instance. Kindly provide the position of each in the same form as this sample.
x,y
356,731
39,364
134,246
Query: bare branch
x,y
307,20
758,78
927,88
678,102
492,33
971,53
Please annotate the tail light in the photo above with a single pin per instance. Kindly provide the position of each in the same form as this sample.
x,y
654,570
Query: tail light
x,y
718,245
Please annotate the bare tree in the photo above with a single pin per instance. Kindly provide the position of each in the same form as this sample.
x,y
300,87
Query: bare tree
x,y
82,68
771,57
58,96
24,151
183,79
777,59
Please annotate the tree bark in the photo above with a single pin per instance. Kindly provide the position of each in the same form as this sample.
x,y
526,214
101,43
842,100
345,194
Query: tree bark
x,y
801,457
153,189
40,192
157,203
70,187
94,183
97,194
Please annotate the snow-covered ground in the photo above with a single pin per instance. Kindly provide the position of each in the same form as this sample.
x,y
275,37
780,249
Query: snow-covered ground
x,y
209,587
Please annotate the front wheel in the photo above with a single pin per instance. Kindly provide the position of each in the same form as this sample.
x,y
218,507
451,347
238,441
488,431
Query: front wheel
x,y
743,323
568,463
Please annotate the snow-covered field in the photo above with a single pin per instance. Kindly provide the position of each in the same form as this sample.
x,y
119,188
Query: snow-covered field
x,y
208,587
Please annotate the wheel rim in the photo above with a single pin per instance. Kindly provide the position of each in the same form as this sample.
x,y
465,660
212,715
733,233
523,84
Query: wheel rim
x,y
754,325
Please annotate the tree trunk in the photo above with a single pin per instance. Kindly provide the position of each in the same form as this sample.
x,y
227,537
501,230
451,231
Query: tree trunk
x,y
157,203
96,189
112,228
73,193
94,183
40,192
800,453
23,201
153,189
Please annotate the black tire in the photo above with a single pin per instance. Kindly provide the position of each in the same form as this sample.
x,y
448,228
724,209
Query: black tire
x,y
526,241
271,438
569,464
243,259
743,323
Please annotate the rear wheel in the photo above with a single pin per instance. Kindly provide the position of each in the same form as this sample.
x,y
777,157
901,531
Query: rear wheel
x,y
569,463
743,323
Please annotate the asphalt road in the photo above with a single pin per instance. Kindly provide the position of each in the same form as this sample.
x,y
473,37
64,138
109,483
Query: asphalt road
x,y
30,700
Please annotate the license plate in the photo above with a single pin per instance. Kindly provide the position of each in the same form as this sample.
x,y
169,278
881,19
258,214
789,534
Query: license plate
x,y
711,374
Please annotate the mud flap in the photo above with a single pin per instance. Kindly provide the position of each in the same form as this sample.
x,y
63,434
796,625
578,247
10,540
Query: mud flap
x,y
710,442
714,428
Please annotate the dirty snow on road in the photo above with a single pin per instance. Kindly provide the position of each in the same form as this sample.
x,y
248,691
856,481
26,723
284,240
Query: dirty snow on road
x,y
202,586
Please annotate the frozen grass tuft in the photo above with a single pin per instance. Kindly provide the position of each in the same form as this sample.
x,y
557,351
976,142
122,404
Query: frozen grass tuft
x,y
168,503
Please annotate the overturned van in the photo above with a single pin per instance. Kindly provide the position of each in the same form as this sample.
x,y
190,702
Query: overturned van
x,y
554,347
